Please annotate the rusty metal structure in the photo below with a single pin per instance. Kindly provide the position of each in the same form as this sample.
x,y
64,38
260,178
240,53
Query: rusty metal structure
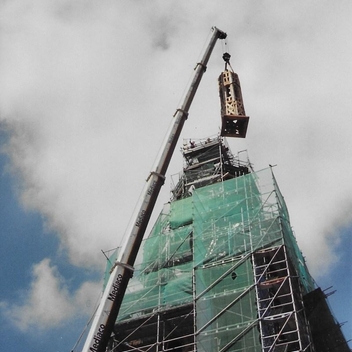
x,y
233,115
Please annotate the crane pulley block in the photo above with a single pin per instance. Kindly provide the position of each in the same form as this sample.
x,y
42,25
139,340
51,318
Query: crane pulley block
x,y
233,116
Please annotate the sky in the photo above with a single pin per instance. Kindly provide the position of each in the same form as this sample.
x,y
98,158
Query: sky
x,y
87,92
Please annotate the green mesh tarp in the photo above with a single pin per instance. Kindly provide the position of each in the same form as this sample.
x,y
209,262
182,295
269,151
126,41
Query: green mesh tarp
x,y
181,213
112,258
289,239
222,219
199,251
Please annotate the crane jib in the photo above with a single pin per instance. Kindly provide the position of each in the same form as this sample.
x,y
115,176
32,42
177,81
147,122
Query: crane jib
x,y
97,338
110,303
115,288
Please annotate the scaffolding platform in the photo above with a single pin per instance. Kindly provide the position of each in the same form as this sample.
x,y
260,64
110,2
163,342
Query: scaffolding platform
x,y
221,269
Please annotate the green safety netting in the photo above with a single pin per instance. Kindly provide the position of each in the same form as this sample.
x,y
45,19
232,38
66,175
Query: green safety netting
x,y
199,251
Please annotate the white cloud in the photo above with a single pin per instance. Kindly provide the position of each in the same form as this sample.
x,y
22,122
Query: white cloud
x,y
88,90
48,303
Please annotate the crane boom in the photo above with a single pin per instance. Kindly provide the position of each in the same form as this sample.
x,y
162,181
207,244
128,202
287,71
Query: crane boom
x,y
108,309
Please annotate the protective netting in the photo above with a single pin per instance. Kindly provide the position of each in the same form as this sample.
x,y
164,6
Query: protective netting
x,y
200,252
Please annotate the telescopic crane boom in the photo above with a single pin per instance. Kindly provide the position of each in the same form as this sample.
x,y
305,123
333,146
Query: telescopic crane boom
x,y
108,309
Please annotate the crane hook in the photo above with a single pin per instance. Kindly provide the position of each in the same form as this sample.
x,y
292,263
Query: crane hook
x,y
226,56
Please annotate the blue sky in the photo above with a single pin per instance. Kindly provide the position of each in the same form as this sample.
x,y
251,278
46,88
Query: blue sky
x,y
87,93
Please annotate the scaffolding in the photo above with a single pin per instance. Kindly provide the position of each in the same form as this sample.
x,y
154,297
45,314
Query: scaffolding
x,y
221,269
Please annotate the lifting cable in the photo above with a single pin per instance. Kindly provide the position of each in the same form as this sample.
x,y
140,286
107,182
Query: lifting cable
x,y
226,56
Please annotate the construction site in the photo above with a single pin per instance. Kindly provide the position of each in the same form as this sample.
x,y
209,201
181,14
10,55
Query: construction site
x,y
221,269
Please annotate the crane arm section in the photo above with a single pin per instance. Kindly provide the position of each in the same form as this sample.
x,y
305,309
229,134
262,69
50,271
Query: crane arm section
x,y
108,309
